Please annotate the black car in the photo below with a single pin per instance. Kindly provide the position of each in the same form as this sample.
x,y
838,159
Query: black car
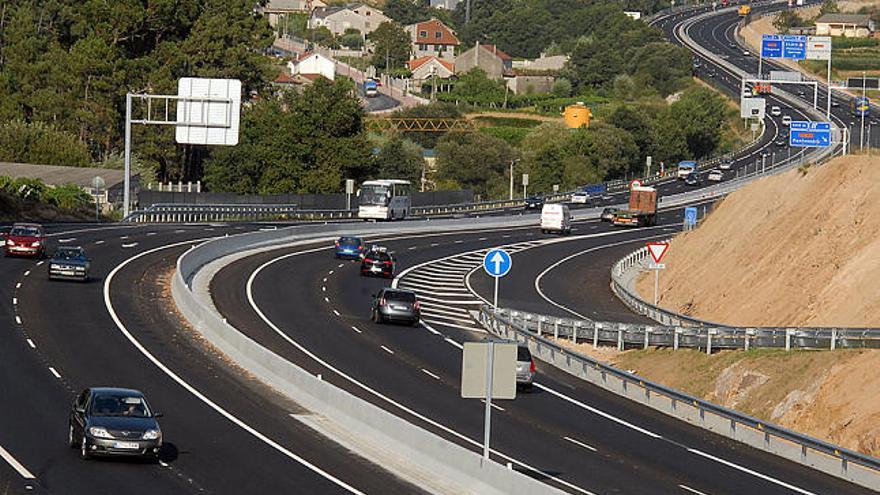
x,y
782,142
534,203
113,421
395,305
692,180
608,214
69,262
378,262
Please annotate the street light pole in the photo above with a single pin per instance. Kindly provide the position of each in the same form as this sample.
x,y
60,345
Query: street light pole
x,y
862,132
512,162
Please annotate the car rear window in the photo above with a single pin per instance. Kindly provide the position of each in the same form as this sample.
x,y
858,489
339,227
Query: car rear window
x,y
400,296
381,256
523,354
350,241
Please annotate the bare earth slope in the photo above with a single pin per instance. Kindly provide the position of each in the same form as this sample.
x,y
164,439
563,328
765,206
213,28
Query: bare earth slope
x,y
790,250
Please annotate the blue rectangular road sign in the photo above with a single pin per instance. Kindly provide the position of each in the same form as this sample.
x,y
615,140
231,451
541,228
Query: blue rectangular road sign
x,y
810,134
771,46
794,47
690,215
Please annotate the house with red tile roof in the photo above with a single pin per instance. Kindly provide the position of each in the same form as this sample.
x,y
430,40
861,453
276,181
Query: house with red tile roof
x,y
313,63
432,38
423,68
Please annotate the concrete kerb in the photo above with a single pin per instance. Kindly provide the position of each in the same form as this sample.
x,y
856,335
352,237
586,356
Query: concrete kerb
x,y
421,455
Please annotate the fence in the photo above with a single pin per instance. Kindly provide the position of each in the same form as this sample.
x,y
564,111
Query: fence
x,y
831,459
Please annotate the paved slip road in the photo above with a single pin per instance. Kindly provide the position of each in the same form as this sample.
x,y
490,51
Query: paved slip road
x,y
65,325
580,438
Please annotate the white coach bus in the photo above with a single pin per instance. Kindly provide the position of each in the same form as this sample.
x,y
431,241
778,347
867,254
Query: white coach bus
x,y
385,199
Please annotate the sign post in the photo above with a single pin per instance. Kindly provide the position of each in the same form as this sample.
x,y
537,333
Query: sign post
x,y
98,184
690,217
657,250
488,370
349,190
497,264
525,183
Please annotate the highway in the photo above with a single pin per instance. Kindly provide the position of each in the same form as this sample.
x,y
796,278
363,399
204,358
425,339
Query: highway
x,y
227,433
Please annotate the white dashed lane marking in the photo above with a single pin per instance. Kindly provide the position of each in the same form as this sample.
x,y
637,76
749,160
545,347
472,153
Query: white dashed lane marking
x,y
432,375
579,443
336,312
18,319
389,351
31,343
129,245
54,372
356,329
99,242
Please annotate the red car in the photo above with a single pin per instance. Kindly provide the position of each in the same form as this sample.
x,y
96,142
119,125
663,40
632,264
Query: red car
x,y
25,239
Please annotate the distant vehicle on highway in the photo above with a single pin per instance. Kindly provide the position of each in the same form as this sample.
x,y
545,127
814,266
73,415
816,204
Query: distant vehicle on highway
x,y
371,88
348,247
385,199
693,180
715,176
607,214
113,421
25,239
725,164
580,197
642,210
395,305
687,167
786,120
744,10
746,53
378,262
775,111
556,217
782,142
525,367
534,203
69,262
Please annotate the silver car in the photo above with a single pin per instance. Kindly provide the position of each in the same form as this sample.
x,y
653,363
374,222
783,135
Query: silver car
x,y
396,305
525,367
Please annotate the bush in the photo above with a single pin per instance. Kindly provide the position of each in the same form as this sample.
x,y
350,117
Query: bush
x,y
514,136
67,196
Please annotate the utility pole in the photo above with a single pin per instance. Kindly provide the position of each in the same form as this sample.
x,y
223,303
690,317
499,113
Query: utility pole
x,y
467,11
512,162
862,132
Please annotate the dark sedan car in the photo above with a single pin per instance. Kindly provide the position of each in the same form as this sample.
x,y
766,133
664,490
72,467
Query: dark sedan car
x,y
693,180
395,305
378,262
69,262
25,239
534,203
607,214
113,421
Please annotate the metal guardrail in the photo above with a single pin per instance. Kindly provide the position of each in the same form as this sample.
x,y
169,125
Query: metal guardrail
x,y
849,465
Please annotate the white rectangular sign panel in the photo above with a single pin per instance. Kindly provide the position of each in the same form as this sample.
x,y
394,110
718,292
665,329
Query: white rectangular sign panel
x,y
752,108
473,370
818,47
785,75
208,111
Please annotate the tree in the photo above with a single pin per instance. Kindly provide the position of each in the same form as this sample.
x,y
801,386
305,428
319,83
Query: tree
x,y
474,86
407,12
296,143
400,159
42,144
562,88
661,65
392,46
352,38
473,161
700,115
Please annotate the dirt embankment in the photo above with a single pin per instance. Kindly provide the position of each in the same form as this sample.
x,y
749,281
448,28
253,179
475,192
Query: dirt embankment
x,y
797,249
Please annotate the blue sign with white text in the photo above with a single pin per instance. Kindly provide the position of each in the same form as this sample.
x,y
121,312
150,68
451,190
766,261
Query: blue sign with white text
x,y
497,263
690,215
810,134
794,47
771,46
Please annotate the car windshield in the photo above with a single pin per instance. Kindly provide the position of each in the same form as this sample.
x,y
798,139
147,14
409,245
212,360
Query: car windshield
x,y
25,231
69,253
374,195
393,295
120,405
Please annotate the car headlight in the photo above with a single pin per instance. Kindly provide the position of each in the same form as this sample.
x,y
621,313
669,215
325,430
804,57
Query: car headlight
x,y
10,242
152,434
99,432
35,244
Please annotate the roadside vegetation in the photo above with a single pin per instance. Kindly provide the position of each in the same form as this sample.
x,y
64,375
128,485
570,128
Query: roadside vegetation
x,y
31,199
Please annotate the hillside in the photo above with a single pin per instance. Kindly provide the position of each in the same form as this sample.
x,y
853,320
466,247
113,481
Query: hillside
x,y
795,249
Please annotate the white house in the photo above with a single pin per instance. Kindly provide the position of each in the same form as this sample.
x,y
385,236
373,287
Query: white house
x,y
337,19
849,25
313,64
277,8
430,66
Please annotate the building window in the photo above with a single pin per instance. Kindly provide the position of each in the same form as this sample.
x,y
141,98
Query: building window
x,y
438,35
423,34
423,47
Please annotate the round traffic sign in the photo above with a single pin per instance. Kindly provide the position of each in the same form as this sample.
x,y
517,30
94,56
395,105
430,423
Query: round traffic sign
x,y
635,183
497,263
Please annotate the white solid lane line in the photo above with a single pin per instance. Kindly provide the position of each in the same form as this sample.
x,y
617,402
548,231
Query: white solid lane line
x,y
579,443
223,412
689,489
22,471
751,472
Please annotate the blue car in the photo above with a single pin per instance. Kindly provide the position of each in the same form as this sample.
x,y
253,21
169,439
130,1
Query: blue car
x,y
349,248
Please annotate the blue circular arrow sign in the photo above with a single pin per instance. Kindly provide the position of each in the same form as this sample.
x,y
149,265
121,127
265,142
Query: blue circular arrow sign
x,y
497,263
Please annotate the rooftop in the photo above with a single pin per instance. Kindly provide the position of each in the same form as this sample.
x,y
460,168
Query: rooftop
x,y
55,175
856,19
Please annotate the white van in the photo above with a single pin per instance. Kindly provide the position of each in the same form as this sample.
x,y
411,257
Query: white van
x,y
556,217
